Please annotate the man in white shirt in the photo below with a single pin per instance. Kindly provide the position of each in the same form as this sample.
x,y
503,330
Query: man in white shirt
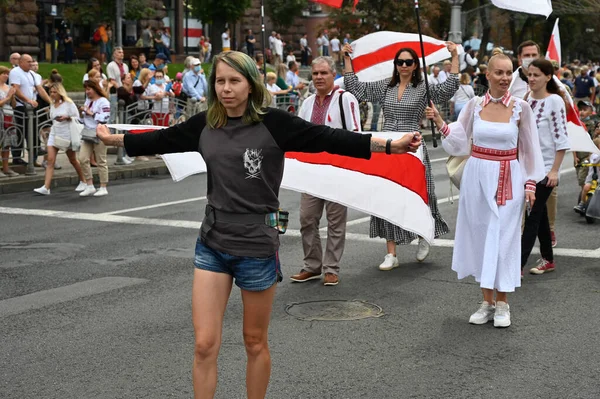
x,y
332,107
445,72
325,41
25,83
278,44
272,39
226,41
435,78
335,49
14,59
304,50
117,68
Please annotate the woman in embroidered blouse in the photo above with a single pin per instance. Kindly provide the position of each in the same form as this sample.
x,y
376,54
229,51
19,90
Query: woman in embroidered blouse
x,y
62,110
549,109
500,133
403,100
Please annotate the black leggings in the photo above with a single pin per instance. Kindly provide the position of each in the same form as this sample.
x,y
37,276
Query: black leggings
x,y
538,225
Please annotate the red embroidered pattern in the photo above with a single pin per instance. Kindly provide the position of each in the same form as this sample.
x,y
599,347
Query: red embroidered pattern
x,y
504,191
319,111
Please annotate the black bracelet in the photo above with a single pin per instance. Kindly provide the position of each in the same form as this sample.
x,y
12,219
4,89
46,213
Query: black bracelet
x,y
388,146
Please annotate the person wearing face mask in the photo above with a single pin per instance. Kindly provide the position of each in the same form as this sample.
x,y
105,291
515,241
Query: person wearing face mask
x,y
194,83
159,93
528,51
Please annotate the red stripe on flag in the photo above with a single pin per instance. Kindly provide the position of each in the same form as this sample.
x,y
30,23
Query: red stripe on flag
x,y
140,131
192,32
388,52
405,170
330,3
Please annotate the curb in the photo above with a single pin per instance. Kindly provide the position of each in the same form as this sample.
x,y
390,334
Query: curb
x,y
69,178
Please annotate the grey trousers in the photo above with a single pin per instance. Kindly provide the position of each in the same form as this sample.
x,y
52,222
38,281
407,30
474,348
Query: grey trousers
x,y
311,210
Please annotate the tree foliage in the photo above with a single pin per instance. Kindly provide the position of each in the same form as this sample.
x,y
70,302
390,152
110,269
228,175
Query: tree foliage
x,y
283,12
376,15
92,12
219,11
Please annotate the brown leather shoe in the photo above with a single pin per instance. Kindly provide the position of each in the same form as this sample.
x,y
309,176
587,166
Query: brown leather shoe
x,y
305,276
331,279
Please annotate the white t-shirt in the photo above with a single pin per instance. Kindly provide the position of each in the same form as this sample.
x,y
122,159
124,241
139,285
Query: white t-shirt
x,y
26,81
335,44
225,40
463,94
289,58
159,107
325,40
273,89
278,48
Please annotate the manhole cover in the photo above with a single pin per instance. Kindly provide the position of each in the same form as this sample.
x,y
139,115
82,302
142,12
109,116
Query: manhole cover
x,y
338,310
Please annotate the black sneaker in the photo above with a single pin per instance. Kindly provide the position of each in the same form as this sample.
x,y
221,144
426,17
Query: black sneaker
x,y
18,161
580,208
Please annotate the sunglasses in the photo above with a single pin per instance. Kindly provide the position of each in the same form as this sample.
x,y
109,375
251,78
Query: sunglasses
x,y
408,63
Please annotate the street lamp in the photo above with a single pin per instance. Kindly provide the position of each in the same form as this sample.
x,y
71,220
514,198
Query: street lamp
x,y
455,34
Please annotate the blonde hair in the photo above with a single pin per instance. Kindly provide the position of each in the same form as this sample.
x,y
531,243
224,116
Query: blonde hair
x,y
271,75
93,73
216,116
145,76
498,57
4,70
465,79
60,89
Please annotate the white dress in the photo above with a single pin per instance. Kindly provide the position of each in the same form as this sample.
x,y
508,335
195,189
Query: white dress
x,y
62,129
488,236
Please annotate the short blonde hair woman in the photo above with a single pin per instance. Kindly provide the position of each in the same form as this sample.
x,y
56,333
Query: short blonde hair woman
x,y
62,111
244,145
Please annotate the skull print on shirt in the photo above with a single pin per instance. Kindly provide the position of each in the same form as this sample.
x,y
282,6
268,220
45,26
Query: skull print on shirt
x,y
252,163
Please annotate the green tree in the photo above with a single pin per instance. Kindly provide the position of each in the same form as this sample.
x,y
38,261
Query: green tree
x,y
218,13
377,15
92,12
283,12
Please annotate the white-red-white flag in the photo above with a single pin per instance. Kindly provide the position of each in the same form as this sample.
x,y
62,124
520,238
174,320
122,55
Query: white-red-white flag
x,y
392,188
373,54
538,7
554,52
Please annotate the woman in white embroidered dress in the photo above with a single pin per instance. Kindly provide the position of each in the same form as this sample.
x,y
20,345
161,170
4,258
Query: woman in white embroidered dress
x,y
62,110
499,178
550,113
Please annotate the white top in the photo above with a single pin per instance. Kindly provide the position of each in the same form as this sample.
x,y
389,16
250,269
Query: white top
x,y
26,81
273,89
278,47
6,109
551,120
272,42
303,42
225,40
114,72
334,116
335,44
159,106
63,129
466,60
518,87
443,76
289,58
463,94
101,110
325,40
142,104
488,235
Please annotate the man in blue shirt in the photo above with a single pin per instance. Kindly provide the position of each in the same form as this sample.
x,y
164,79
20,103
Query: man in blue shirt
x,y
194,82
584,86
291,78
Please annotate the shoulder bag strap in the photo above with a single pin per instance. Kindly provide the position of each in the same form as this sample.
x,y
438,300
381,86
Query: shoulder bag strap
x,y
342,111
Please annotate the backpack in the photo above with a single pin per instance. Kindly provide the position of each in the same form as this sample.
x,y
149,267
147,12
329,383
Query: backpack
x,y
96,38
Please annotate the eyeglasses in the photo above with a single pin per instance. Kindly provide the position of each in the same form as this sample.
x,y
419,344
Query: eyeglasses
x,y
408,63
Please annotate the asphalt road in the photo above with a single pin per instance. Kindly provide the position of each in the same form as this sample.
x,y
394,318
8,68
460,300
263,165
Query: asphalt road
x,y
95,303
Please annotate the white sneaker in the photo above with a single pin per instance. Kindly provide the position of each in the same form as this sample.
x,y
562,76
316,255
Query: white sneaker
x,y
502,316
42,190
89,190
101,192
484,314
423,250
81,186
389,262
127,161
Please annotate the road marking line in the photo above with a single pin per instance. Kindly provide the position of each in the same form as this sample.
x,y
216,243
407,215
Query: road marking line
x,y
40,299
143,208
438,160
571,252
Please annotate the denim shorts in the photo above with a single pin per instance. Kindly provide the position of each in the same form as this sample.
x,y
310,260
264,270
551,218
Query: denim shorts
x,y
250,274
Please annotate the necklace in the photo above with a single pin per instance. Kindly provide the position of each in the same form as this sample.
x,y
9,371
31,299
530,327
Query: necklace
x,y
496,100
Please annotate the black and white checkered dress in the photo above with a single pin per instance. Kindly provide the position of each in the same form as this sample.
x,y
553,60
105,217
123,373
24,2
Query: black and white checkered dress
x,y
404,116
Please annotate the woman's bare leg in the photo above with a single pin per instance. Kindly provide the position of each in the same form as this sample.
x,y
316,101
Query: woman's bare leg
x,y
52,151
